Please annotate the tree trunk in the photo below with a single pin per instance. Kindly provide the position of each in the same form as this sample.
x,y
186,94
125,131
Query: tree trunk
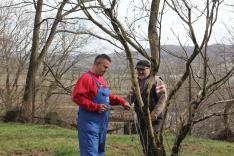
x,y
227,108
183,131
154,42
28,103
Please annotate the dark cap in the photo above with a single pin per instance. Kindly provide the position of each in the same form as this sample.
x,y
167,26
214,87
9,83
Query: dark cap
x,y
143,64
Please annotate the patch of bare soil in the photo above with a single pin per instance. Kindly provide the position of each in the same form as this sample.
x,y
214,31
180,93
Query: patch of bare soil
x,y
193,149
39,152
120,147
125,149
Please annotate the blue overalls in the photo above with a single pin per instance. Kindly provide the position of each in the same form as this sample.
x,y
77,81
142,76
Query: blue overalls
x,y
92,126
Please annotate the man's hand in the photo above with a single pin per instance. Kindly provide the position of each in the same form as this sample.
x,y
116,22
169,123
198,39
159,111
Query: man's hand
x,y
153,116
102,108
127,106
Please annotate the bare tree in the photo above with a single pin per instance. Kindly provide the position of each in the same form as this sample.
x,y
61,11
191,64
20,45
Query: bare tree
x,y
225,93
40,46
14,45
207,85
28,103
56,71
49,17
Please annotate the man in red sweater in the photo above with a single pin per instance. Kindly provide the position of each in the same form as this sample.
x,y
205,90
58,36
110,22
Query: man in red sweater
x,y
94,99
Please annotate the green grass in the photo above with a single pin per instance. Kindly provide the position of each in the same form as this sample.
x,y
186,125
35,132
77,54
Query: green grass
x,y
198,146
55,141
46,140
36,138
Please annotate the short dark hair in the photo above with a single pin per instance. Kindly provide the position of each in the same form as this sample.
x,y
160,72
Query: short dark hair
x,y
102,56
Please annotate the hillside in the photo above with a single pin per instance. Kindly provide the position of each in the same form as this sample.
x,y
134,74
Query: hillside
x,y
48,140
170,53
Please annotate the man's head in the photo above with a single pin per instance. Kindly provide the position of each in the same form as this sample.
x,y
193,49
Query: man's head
x,y
101,64
143,69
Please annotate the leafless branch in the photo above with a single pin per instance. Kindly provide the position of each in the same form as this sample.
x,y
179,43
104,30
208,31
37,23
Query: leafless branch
x,y
211,115
57,80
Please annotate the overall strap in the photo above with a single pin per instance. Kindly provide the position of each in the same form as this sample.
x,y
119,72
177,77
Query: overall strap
x,y
97,83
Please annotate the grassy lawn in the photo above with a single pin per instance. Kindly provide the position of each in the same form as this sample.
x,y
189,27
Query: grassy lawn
x,y
45,140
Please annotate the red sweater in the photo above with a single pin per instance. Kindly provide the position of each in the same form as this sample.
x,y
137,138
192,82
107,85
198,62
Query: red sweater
x,y
86,89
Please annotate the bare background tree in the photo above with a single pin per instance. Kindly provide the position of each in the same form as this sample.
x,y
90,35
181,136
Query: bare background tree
x,y
14,43
58,52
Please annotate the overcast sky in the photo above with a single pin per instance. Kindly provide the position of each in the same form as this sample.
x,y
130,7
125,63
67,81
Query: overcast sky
x,y
171,22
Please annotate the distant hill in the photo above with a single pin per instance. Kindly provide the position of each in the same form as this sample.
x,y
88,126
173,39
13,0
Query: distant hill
x,y
169,53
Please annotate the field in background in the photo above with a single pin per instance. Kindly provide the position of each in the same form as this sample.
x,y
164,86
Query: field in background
x,y
48,140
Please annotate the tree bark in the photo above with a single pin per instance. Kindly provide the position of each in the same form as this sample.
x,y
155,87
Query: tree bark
x,y
28,102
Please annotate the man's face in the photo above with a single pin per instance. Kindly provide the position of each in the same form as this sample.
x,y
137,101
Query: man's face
x,y
102,66
143,72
